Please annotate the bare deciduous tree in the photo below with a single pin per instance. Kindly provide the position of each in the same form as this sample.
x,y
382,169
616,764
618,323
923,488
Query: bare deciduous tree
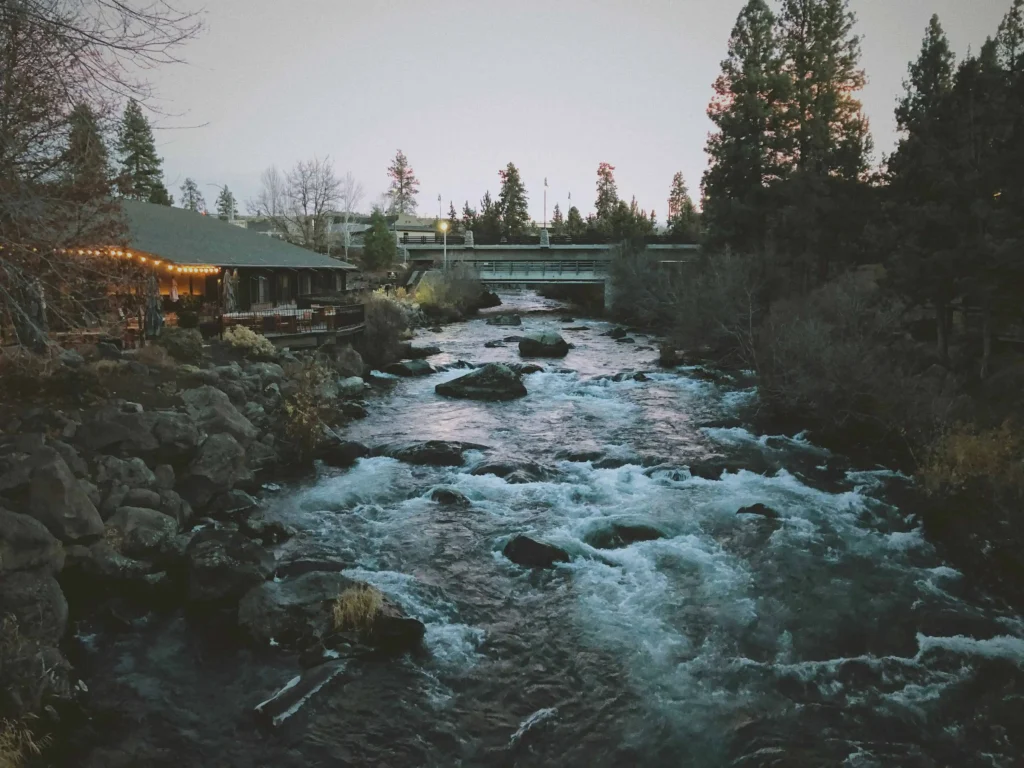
x,y
350,195
64,60
298,204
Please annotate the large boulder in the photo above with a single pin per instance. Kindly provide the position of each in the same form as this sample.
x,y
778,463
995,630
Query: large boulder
x,y
144,534
342,453
543,345
436,453
219,466
407,368
117,429
221,566
621,533
414,352
492,382
59,501
112,472
515,472
177,435
215,414
299,611
449,497
352,386
35,600
522,550
26,544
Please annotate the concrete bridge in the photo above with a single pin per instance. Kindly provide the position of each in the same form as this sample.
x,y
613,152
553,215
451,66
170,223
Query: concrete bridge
x,y
536,264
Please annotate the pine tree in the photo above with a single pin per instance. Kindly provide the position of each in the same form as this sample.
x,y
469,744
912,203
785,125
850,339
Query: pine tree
x,y
142,177
825,127
379,246
453,219
191,198
226,206
574,225
512,203
86,158
1010,39
607,194
404,186
745,147
468,218
654,220
557,221
684,221
918,182
488,223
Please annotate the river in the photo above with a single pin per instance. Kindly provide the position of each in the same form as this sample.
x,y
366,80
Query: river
x,y
832,636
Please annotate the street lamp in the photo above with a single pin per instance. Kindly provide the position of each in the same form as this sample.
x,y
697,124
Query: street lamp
x,y
444,231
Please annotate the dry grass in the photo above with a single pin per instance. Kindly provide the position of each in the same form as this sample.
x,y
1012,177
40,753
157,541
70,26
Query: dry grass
x,y
156,356
115,538
965,455
356,609
18,744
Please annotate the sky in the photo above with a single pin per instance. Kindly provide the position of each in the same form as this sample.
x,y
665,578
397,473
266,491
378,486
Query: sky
x,y
464,87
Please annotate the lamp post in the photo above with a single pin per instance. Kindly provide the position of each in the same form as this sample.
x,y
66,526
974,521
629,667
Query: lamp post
x,y
444,231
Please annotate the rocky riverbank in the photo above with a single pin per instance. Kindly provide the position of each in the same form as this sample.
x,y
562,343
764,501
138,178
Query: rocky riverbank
x,y
112,509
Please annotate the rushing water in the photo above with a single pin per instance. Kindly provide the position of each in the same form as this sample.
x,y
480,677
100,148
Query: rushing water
x,y
832,636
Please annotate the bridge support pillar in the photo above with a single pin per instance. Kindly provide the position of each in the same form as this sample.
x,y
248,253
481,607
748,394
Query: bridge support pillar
x,y
609,295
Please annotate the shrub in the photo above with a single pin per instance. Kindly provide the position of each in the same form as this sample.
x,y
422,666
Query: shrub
x,y
188,319
251,344
356,609
306,412
965,456
385,324
155,356
18,744
458,290
183,344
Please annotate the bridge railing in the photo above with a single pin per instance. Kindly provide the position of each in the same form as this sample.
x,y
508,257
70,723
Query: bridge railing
x,y
587,238
533,269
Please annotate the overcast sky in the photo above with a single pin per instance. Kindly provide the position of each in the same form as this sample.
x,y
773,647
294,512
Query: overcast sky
x,y
465,86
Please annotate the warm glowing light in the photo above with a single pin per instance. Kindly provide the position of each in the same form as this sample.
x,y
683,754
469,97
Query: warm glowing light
x,y
444,226
170,267
156,262
128,254
142,259
81,253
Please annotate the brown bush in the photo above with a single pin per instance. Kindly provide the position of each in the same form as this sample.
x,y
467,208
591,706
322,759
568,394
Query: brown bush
x,y
965,456
386,324
156,356
356,609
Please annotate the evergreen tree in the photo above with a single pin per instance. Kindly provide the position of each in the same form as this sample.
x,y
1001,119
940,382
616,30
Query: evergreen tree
x,y
826,131
654,220
404,186
1010,40
607,193
379,246
684,221
227,207
744,149
512,203
86,158
488,223
574,225
557,221
453,219
191,198
142,177
468,218
918,182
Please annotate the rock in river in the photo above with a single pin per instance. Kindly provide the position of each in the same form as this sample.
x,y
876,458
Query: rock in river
x,y
616,535
436,453
492,382
224,565
408,368
449,497
505,320
543,345
522,550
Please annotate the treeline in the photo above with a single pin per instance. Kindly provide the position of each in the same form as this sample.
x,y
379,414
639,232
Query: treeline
x,y
818,270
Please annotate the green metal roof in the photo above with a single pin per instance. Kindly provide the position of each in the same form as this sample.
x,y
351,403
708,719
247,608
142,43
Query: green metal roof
x,y
185,237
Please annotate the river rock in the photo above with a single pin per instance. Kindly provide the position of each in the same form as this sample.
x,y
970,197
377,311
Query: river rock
x,y
172,505
618,534
531,553
114,429
221,566
58,500
163,475
712,469
449,497
36,601
543,345
144,534
492,382
437,453
514,472
525,369
26,544
215,414
220,466
407,368
142,497
297,691
626,340
577,328
342,453
616,333
351,386
177,436
297,612
505,320
113,472
512,339
494,344
414,352
759,509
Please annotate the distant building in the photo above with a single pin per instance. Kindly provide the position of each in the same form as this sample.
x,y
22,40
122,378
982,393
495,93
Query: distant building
x,y
413,228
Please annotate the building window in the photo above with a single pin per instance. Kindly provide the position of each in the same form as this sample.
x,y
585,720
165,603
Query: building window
x,y
305,284
259,288
339,281
283,289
